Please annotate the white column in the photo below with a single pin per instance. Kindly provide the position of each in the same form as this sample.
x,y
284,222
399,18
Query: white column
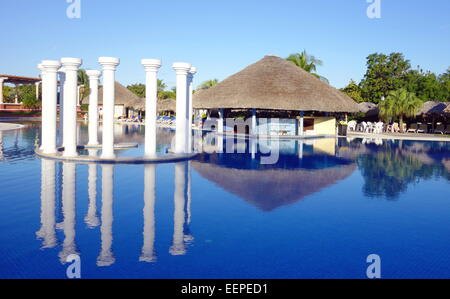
x,y
109,65
16,99
70,142
1,89
37,89
62,81
254,130
182,70
301,124
91,218
191,74
148,249
151,67
93,106
49,105
106,257
47,232
69,211
181,179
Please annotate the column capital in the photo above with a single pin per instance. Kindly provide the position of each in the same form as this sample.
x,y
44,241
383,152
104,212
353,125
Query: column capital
x,y
182,68
71,64
151,65
50,66
193,70
109,63
93,74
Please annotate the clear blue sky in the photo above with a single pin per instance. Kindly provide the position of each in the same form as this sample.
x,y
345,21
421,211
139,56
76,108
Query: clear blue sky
x,y
222,37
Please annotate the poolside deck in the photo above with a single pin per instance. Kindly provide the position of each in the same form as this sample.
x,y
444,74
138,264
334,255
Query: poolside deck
x,y
402,136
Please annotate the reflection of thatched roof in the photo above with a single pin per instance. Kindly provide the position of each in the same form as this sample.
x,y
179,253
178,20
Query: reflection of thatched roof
x,y
433,108
274,84
271,189
447,164
123,97
370,109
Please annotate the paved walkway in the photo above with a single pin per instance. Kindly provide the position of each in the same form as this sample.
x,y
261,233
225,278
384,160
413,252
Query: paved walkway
x,y
400,136
8,126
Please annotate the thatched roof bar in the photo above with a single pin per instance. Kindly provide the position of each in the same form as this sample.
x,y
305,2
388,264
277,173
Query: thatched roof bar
x,y
274,84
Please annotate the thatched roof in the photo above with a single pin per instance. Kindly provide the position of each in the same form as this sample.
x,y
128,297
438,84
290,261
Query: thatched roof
x,y
273,188
123,97
167,105
274,84
432,107
370,109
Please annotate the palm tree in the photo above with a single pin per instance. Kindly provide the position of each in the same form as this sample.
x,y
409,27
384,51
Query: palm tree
x,y
161,86
307,62
400,103
208,84
83,80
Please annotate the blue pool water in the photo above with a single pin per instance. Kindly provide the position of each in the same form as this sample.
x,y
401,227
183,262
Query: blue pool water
x,y
319,212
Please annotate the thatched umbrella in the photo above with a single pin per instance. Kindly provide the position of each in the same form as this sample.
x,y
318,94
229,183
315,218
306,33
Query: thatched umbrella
x,y
370,109
273,188
431,107
274,84
167,105
123,96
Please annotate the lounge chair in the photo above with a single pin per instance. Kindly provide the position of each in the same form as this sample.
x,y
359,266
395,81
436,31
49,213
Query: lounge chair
x,y
413,128
440,129
352,125
423,128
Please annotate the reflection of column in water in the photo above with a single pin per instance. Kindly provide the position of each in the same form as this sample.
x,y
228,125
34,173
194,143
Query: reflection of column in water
x,y
188,238
178,247
300,149
48,220
253,147
220,142
148,252
91,218
69,179
1,146
106,257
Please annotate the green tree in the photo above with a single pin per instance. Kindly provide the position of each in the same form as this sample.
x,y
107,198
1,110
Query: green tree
x,y
208,84
307,62
354,91
161,86
137,89
426,85
444,81
400,104
83,80
385,73
27,95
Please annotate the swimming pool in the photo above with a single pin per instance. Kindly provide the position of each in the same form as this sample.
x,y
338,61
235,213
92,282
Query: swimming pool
x,y
318,212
